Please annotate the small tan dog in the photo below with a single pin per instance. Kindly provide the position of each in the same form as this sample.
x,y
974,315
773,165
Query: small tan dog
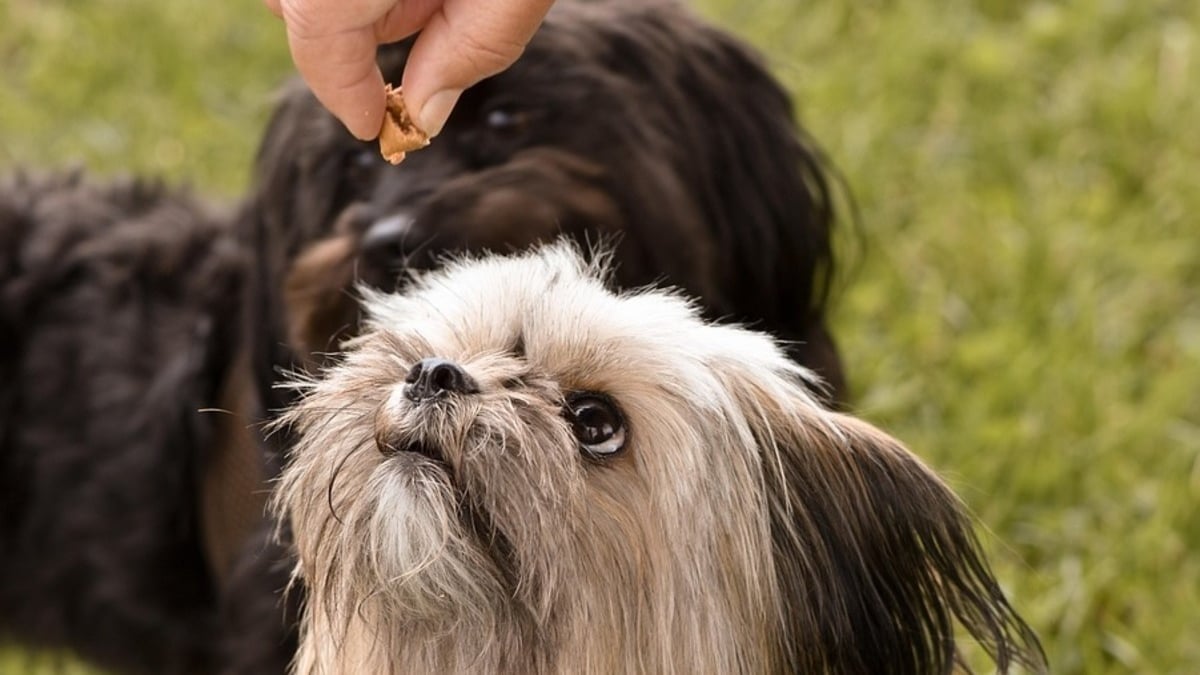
x,y
515,470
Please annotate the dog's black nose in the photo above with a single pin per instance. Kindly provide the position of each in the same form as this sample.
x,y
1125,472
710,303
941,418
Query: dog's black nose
x,y
433,376
394,243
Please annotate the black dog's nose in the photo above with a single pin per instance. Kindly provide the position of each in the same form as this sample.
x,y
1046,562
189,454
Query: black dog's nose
x,y
433,376
386,244
394,243
389,232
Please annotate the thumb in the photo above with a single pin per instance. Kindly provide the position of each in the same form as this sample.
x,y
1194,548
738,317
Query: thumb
x,y
463,43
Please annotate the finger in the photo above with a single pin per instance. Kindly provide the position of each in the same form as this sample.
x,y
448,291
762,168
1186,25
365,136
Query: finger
x,y
274,8
333,46
340,69
461,44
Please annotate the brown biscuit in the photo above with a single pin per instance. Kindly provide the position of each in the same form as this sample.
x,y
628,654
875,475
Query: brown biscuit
x,y
400,133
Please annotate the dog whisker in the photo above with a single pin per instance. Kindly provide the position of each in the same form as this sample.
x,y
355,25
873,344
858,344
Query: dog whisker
x,y
334,478
222,411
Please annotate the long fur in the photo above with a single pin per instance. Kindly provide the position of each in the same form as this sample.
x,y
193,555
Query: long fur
x,y
745,528
118,316
626,121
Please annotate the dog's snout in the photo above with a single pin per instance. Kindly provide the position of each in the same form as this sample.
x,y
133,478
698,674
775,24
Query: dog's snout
x,y
387,241
433,377
387,232
394,243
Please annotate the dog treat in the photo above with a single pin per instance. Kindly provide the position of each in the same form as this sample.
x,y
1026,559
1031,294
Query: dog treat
x,y
400,134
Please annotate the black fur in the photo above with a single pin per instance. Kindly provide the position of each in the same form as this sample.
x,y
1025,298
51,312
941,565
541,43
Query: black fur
x,y
114,308
882,563
625,120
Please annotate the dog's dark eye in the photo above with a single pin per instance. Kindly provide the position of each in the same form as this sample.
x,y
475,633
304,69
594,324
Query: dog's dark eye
x,y
359,171
506,121
361,159
597,425
364,158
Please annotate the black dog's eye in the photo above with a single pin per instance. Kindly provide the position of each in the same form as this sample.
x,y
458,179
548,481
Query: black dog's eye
x,y
506,121
364,158
597,425
495,131
359,171
361,159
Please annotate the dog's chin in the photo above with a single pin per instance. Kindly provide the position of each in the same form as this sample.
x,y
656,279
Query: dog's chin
x,y
414,482
425,555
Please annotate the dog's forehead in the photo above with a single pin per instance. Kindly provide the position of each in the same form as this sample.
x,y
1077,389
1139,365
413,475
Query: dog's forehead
x,y
557,307
546,300
551,294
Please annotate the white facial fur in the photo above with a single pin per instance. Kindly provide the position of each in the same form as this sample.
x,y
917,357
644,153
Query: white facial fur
x,y
470,533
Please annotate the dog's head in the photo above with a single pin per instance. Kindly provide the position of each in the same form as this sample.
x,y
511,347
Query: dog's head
x,y
516,470
626,121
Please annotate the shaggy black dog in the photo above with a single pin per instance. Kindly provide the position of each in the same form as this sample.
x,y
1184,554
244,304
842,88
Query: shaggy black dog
x,y
118,319
130,518
625,120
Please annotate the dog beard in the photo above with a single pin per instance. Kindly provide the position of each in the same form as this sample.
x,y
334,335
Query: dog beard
x,y
515,470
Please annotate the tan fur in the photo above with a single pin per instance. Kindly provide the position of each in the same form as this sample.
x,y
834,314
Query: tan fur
x,y
713,544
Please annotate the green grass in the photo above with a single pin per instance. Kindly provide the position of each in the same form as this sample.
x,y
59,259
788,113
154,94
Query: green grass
x,y
1023,301
178,88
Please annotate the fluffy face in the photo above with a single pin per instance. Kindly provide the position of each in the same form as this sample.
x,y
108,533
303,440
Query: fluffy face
x,y
625,121
516,470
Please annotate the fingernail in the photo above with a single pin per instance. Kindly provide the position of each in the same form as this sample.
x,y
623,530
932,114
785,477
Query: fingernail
x,y
436,111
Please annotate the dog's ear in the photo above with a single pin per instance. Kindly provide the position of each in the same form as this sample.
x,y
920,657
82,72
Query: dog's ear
x,y
875,557
770,197
299,174
322,310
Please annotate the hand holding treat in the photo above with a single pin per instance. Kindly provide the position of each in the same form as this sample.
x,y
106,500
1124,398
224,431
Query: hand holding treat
x,y
461,42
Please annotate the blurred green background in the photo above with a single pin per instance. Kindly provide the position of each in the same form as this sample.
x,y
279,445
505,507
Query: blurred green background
x,y
1020,300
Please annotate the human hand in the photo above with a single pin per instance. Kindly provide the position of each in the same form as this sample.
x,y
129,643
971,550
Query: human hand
x,y
333,45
